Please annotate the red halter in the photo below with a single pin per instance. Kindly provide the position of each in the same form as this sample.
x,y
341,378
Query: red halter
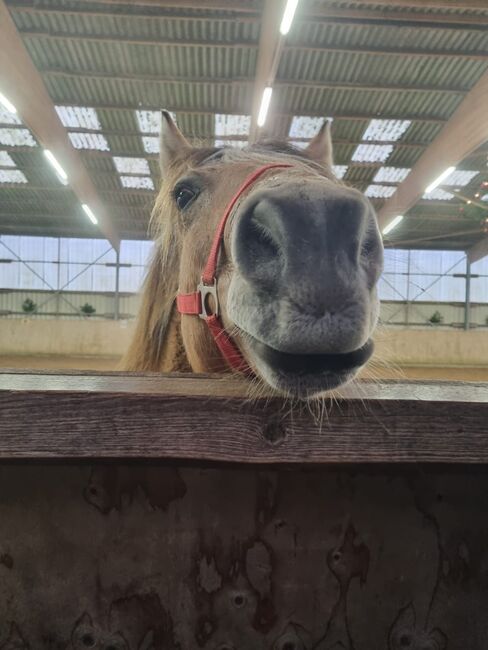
x,y
196,303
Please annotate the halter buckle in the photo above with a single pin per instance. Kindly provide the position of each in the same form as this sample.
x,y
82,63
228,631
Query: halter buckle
x,y
206,290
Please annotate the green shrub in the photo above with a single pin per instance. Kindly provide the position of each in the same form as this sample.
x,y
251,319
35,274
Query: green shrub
x,y
87,309
29,306
436,318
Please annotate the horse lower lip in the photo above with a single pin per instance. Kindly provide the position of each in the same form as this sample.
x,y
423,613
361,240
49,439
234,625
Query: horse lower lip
x,y
313,363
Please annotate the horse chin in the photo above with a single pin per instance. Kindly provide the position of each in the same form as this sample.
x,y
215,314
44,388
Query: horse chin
x,y
306,376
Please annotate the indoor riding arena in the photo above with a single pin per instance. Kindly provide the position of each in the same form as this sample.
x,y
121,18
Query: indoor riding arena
x,y
243,324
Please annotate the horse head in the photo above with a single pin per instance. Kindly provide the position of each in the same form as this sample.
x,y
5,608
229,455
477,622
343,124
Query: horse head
x,y
295,257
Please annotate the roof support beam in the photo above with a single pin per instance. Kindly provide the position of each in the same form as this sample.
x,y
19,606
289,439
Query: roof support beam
x,y
269,53
23,85
478,251
428,119
263,45
466,130
238,81
206,136
237,5
309,14
357,17
430,4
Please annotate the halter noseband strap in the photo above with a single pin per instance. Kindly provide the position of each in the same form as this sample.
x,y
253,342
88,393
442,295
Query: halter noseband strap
x,y
196,303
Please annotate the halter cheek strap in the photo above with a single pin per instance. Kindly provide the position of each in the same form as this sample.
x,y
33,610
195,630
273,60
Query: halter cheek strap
x,y
196,303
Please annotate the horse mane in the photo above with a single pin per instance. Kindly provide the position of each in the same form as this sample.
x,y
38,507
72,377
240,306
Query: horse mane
x,y
147,349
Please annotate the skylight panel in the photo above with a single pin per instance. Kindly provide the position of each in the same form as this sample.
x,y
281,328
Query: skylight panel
x,y
386,130
150,144
339,170
137,182
79,117
6,160
380,191
150,121
391,174
438,195
16,138
232,124
236,144
300,144
12,176
372,153
6,117
95,141
131,165
460,177
303,126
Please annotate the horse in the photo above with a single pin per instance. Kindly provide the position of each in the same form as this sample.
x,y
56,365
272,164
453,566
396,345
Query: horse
x,y
265,264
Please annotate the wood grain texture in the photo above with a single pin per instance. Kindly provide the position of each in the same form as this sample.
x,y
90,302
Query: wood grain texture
x,y
148,557
116,415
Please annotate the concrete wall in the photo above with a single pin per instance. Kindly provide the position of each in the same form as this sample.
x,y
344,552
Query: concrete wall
x,y
416,352
67,304
64,337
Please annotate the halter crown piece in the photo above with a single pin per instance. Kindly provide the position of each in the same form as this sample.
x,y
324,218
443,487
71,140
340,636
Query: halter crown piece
x,y
196,303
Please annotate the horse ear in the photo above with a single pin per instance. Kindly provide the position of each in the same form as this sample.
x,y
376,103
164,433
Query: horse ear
x,y
172,142
320,147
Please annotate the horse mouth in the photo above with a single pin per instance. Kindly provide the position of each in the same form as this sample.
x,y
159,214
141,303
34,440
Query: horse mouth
x,y
306,375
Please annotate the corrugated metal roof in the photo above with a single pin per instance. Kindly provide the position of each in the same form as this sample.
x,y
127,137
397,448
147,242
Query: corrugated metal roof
x,y
387,63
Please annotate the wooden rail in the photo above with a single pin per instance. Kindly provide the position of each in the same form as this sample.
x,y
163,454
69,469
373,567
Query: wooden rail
x,y
180,555
72,415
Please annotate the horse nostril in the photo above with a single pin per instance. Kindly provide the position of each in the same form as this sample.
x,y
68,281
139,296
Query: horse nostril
x,y
257,250
263,241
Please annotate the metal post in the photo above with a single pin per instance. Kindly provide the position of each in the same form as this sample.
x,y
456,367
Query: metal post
x,y
116,295
467,304
407,306
58,278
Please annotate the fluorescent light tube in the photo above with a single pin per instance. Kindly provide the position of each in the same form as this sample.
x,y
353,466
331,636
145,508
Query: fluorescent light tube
x,y
59,170
288,15
263,111
90,214
439,179
392,224
8,104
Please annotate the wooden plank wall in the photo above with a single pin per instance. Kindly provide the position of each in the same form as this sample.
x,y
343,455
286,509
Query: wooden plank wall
x,y
122,528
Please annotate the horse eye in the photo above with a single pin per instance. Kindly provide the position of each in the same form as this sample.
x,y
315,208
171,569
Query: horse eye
x,y
183,196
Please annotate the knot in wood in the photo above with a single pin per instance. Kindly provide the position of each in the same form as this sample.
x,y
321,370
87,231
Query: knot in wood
x,y
274,432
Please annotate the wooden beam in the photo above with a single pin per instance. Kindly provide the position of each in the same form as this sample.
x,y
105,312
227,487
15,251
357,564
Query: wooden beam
x,y
205,136
428,119
466,130
449,235
269,52
28,187
236,81
478,251
318,13
73,415
240,7
267,43
205,5
23,85
429,4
